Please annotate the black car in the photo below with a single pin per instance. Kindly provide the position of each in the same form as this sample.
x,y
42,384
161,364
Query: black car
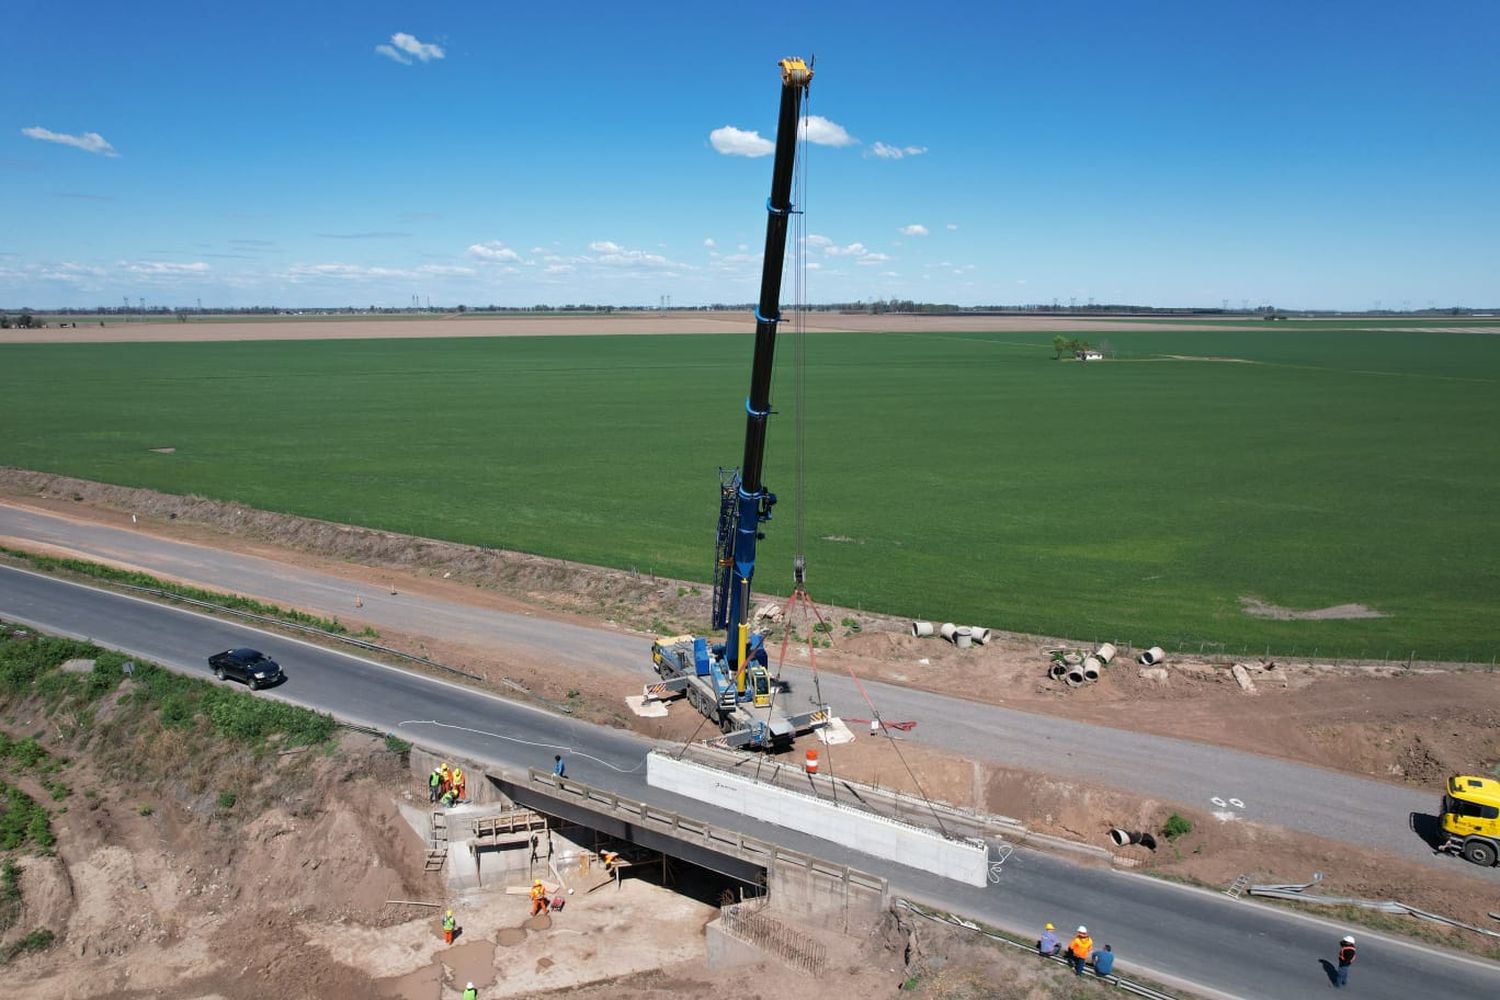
x,y
244,664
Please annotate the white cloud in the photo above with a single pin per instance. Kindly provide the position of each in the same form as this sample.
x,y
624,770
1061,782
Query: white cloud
x,y
611,254
887,152
494,251
915,229
852,250
952,226
731,141
708,241
817,242
822,132
163,267
404,48
871,259
89,142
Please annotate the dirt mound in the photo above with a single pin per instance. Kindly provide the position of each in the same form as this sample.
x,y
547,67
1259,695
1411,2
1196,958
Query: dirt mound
x,y
1257,608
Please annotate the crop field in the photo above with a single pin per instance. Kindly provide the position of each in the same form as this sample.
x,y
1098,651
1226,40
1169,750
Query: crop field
x,y
963,477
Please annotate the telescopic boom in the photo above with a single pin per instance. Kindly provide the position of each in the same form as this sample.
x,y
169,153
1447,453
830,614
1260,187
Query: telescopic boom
x,y
745,502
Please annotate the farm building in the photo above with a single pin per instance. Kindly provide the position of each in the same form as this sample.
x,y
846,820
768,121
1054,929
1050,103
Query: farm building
x,y
1088,354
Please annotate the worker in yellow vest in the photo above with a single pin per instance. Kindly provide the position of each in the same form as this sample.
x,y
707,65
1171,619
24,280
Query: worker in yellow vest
x,y
450,927
538,898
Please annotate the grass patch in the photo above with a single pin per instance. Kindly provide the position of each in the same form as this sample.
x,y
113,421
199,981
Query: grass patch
x,y
1136,500
1177,826
111,574
10,895
23,823
38,940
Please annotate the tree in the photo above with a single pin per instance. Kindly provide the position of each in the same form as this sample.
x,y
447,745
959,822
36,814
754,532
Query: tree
x,y
1059,345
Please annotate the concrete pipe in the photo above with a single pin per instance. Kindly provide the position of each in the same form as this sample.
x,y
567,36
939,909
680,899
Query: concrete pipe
x,y
963,637
1153,656
947,630
981,634
1124,837
1106,652
1057,670
1073,659
921,629
1091,669
1074,677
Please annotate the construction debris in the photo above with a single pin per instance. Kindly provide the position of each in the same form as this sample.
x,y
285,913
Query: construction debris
x,y
1242,678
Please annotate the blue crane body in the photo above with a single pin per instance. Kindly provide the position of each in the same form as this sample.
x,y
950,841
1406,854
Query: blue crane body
x,y
729,682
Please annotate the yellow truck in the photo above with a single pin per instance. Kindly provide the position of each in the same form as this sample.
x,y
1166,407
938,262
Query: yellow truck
x,y
1471,818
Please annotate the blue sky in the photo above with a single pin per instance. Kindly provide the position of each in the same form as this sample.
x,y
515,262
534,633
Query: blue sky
x,y
1306,155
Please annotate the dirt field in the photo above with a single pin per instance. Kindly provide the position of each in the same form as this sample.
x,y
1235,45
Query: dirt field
x,y
555,326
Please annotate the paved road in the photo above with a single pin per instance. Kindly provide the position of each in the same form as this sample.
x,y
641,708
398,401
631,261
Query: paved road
x,y
1309,799
1193,937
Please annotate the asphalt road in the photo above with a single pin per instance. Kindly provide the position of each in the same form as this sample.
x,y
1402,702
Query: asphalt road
x,y
1312,800
1193,937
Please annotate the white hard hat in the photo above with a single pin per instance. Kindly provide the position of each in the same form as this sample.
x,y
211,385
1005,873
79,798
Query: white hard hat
x,y
1348,938
1082,929
470,986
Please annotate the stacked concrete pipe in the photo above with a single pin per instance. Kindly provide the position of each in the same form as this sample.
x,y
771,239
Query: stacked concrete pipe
x,y
1091,667
1106,652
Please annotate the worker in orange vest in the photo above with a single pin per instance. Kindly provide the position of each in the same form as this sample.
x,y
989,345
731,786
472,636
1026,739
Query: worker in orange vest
x,y
1080,949
458,784
538,898
447,776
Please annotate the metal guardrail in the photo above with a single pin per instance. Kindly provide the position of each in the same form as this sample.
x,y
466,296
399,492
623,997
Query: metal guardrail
x,y
949,919
747,848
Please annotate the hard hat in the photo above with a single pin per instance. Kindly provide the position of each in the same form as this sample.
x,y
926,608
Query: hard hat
x,y
470,986
1348,938
450,913
536,881
1082,929
1049,927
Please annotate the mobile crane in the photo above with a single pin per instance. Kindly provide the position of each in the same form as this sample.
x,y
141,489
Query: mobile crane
x,y
729,681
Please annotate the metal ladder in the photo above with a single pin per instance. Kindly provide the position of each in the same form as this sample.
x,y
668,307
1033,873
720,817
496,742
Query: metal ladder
x,y
1237,890
437,842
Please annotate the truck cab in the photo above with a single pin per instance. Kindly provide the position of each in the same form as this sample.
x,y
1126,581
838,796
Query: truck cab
x,y
1471,818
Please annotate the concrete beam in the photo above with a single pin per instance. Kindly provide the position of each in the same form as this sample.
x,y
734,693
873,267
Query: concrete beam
x,y
964,861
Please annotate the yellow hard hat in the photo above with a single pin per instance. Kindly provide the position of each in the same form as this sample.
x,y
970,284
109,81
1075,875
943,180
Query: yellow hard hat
x,y
1049,927
537,882
450,913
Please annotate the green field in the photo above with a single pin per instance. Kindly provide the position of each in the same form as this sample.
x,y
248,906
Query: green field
x,y
963,477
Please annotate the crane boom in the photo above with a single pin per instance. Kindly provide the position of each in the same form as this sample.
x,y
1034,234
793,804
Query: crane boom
x,y
729,683
745,503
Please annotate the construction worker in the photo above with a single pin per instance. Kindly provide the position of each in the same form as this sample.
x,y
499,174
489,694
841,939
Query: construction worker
x,y
1048,946
470,993
1346,959
1104,961
538,898
434,785
1080,949
458,783
449,797
447,774
450,927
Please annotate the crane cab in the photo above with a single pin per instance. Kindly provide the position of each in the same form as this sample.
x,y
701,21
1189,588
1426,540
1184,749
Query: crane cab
x,y
760,686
